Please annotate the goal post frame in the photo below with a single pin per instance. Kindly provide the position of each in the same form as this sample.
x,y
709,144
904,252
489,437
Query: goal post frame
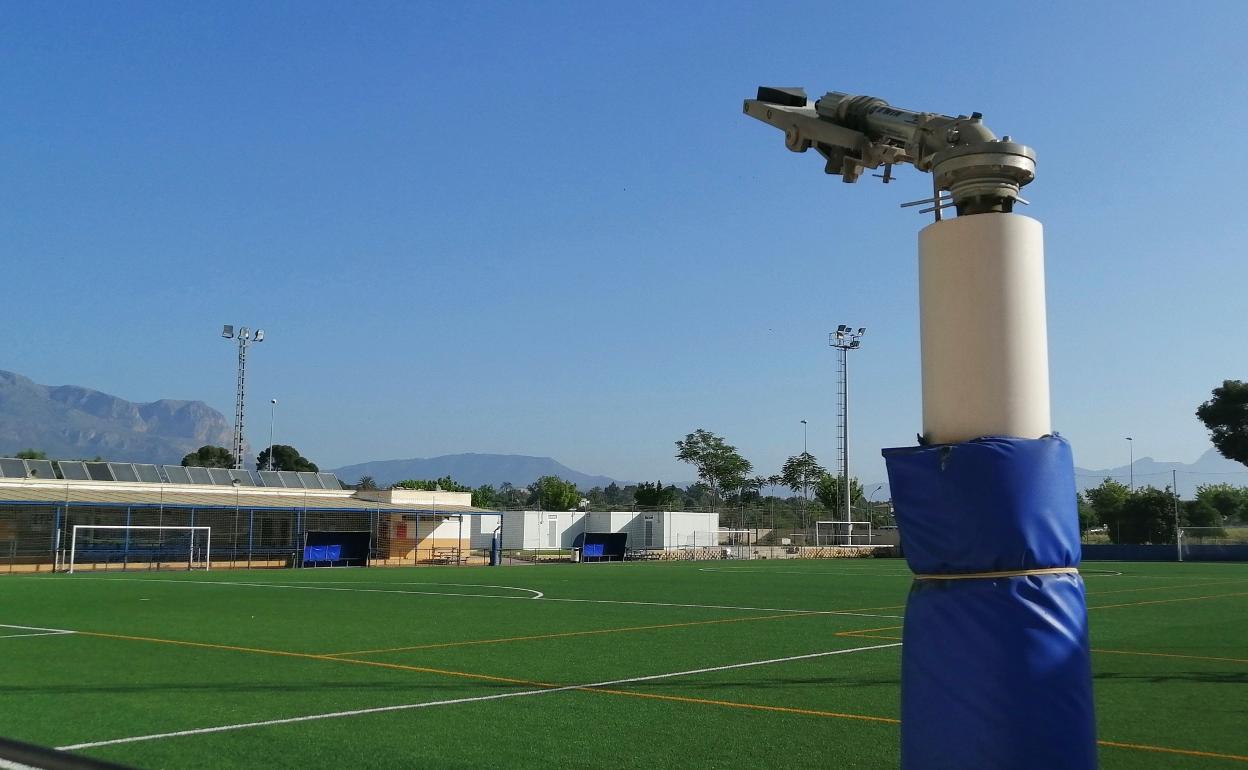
x,y
848,534
73,540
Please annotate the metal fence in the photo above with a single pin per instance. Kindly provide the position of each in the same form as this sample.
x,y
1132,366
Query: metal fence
x,y
39,537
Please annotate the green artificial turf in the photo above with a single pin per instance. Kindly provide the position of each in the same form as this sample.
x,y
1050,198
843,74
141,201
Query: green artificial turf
x,y
271,645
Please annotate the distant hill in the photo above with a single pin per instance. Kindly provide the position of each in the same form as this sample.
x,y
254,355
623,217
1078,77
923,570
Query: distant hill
x,y
1210,468
472,469
68,421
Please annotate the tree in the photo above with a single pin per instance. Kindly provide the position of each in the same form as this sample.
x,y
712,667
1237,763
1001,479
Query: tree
x,y
613,494
1107,502
365,483
800,472
1087,514
1230,502
720,466
511,497
1143,516
655,495
444,484
828,492
485,496
34,454
285,458
552,493
208,456
1226,417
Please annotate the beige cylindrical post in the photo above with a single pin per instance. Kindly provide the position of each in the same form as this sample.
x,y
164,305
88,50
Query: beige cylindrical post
x,y
984,338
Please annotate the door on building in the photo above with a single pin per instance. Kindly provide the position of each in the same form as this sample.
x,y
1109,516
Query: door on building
x,y
553,533
649,531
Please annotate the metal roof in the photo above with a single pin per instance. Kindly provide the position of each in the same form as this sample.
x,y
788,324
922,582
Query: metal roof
x,y
79,493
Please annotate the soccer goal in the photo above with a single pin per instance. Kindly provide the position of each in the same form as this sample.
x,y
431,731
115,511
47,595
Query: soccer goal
x,y
153,546
843,533
722,543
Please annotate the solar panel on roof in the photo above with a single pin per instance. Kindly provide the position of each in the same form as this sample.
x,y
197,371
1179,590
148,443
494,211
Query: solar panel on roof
x,y
99,472
177,474
241,476
329,481
271,479
291,479
12,468
310,480
74,470
220,476
148,474
40,469
123,472
198,475
255,479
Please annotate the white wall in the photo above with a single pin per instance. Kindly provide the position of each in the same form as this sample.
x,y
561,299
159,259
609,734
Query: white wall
x,y
669,529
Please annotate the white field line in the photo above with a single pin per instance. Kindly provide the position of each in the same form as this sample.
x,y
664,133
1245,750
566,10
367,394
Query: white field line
x,y
456,701
8,764
310,587
854,572
38,631
536,594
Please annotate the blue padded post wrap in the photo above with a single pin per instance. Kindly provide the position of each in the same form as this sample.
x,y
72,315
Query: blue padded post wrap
x,y
995,671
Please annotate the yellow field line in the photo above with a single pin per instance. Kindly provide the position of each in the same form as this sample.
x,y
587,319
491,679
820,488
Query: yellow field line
x,y
752,706
626,693
562,634
1170,655
1167,750
1165,588
307,656
1167,601
866,633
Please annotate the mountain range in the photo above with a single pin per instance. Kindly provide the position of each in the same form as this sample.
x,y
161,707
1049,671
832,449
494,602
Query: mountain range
x,y
472,469
69,422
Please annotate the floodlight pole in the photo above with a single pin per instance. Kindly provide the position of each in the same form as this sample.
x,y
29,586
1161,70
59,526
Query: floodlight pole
x,y
244,337
845,339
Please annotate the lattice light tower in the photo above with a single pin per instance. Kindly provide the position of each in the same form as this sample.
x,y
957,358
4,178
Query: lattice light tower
x,y
845,339
245,337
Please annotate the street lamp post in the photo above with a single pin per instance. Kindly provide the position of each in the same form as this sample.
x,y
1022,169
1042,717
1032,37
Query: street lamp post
x,y
244,337
1131,466
845,339
272,419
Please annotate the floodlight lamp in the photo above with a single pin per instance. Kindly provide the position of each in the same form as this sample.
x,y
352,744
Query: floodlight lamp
x,y
862,330
259,335
841,328
227,331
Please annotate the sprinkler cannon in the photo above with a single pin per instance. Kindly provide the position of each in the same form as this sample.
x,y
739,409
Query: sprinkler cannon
x,y
979,172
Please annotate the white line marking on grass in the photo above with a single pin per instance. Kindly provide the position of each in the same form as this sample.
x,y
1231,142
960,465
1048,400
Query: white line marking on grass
x,y
38,631
855,572
310,587
474,699
8,764
724,607
536,594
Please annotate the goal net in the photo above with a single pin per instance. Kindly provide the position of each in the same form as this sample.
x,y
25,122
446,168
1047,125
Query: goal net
x,y
723,543
843,533
99,546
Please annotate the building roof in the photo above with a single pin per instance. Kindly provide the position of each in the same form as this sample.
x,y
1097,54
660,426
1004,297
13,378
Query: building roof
x,y
50,492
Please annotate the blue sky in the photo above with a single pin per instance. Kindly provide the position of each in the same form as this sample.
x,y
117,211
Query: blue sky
x,y
547,229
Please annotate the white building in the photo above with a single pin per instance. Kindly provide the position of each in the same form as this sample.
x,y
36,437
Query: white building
x,y
533,530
